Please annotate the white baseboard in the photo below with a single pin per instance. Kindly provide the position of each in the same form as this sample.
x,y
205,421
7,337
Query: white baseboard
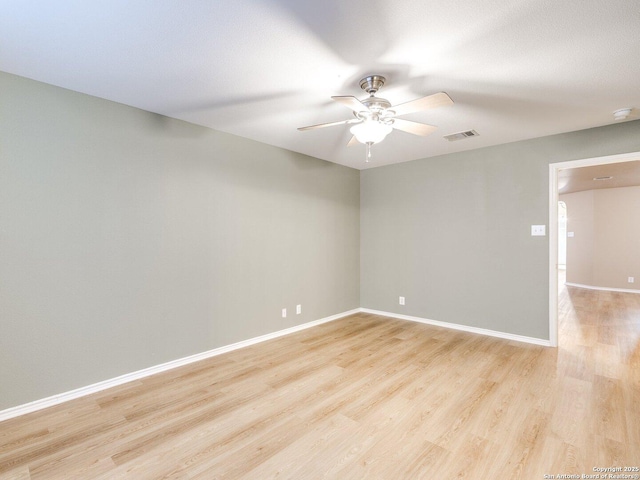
x,y
128,377
606,289
122,379
464,328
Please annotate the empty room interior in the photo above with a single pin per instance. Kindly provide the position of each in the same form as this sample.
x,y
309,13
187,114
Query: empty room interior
x,y
349,240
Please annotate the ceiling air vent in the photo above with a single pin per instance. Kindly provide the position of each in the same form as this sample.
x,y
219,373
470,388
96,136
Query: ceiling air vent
x,y
460,135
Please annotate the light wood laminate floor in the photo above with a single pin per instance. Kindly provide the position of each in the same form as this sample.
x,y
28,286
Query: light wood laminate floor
x,y
364,397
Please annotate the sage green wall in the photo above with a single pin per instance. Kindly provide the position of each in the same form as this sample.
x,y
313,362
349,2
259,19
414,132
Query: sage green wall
x,y
128,239
452,233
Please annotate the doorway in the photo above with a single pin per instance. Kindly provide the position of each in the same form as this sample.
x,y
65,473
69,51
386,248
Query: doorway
x,y
554,228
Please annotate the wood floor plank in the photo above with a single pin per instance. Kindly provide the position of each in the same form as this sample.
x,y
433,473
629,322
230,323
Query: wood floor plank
x,y
20,473
362,397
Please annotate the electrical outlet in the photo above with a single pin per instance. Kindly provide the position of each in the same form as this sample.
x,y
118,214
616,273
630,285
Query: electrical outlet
x,y
298,309
401,300
284,313
631,279
538,230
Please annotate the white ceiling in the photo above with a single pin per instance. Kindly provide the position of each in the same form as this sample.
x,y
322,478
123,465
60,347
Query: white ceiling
x,y
516,69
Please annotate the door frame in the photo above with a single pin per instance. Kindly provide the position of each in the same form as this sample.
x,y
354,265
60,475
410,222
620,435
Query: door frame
x,y
554,168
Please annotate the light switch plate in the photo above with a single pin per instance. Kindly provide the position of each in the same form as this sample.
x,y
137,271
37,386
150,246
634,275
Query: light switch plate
x,y
538,230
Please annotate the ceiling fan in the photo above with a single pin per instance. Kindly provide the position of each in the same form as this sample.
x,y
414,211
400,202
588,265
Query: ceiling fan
x,y
375,117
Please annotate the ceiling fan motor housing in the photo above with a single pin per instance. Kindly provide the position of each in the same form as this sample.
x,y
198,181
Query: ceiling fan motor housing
x,y
376,104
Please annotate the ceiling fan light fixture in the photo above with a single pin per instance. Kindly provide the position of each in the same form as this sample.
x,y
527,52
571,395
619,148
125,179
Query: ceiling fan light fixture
x,y
371,131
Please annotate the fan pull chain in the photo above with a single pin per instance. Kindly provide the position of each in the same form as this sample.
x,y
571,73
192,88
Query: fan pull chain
x,y
368,156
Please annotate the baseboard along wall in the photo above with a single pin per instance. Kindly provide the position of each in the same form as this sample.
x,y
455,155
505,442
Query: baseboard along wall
x,y
463,328
604,289
122,379
146,372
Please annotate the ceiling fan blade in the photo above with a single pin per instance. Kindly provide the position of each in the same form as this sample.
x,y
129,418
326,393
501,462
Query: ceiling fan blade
x,y
323,125
432,101
353,141
352,103
415,128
